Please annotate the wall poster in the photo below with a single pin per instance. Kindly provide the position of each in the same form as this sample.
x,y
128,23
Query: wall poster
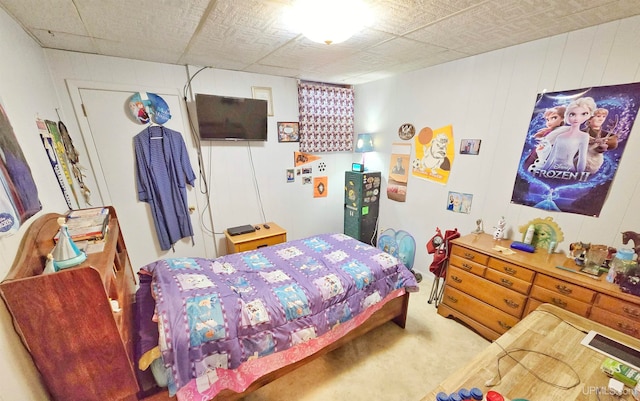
x,y
434,154
18,192
573,147
399,171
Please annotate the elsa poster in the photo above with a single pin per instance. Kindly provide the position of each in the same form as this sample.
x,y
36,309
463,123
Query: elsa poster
x,y
573,147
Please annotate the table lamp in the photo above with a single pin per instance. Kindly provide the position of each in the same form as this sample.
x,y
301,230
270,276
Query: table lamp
x,y
364,144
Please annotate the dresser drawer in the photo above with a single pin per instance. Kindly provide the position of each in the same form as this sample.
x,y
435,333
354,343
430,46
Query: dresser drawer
x,y
479,311
615,305
260,243
562,301
532,304
564,288
469,254
508,281
511,269
467,265
502,298
620,323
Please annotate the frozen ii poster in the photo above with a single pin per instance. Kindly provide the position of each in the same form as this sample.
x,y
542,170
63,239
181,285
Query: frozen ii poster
x,y
574,144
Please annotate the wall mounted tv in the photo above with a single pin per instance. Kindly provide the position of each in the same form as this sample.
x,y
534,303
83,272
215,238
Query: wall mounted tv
x,y
222,118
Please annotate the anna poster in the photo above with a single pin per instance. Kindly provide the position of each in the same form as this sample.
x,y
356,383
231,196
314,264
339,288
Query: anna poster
x,y
573,147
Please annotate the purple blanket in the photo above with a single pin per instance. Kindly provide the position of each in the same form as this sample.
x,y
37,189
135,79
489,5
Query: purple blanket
x,y
218,313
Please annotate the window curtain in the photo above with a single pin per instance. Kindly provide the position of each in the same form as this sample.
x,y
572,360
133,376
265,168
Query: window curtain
x,y
325,117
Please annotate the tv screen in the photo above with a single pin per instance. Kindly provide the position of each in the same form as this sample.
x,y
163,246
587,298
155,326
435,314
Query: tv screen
x,y
231,118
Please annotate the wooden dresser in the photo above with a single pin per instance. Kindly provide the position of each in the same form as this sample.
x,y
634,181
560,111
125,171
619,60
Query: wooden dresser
x,y
257,239
81,346
491,291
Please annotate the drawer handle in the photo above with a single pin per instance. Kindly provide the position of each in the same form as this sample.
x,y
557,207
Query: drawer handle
x,y
630,311
564,289
466,266
504,325
559,302
509,270
511,304
452,299
456,279
262,246
469,255
628,329
506,282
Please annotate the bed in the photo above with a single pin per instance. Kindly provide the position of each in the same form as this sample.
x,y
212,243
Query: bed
x,y
220,328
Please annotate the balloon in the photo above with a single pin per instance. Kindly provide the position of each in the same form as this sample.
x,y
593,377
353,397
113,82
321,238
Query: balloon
x,y
139,108
159,109
146,107
425,135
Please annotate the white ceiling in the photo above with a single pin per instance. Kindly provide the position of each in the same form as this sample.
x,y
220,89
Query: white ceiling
x,y
251,35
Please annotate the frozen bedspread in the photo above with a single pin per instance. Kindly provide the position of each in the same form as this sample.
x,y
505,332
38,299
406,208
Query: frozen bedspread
x,y
217,316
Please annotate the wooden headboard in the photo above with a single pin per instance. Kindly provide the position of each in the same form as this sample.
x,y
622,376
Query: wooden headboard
x,y
82,347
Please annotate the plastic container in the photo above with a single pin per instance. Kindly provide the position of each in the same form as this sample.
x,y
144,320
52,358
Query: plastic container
x,y
620,264
442,396
476,394
464,394
528,237
454,397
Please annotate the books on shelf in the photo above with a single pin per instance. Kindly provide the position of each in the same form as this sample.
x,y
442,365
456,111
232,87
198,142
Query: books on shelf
x,y
87,224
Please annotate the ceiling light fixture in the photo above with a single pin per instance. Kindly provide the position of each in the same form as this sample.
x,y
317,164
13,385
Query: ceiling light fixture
x,y
330,21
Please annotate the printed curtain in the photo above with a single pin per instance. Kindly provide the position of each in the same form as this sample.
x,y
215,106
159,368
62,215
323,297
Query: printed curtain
x,y
326,117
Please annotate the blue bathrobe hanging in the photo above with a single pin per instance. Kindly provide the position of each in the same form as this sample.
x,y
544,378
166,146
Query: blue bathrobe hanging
x,y
163,170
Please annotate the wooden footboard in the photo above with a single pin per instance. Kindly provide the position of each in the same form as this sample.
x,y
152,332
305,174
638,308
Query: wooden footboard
x,y
394,310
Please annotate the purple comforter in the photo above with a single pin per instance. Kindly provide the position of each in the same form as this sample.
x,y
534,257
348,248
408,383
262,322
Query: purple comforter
x,y
218,313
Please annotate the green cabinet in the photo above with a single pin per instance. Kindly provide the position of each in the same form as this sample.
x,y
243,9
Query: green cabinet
x,y
361,205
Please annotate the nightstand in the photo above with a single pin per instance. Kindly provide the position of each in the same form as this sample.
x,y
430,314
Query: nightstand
x,y
257,239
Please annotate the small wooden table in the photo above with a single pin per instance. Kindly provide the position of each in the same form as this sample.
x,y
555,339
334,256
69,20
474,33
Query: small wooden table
x,y
550,330
257,239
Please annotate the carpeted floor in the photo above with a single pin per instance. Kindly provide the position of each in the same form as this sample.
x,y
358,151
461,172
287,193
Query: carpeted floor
x,y
387,364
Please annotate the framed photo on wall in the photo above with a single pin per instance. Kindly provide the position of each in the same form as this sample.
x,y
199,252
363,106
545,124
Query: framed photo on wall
x,y
288,132
470,146
264,93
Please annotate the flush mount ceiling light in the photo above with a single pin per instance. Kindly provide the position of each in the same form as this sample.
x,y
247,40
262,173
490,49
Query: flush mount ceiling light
x,y
329,21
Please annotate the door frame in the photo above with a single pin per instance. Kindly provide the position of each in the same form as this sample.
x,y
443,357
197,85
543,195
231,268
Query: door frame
x,y
75,87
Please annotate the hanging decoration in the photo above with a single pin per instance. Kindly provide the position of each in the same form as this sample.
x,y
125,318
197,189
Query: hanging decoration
x,y
300,158
434,154
399,171
74,159
58,147
146,107
573,147
320,187
406,131
49,147
18,192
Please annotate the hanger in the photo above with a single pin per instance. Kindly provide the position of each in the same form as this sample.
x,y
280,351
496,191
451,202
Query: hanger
x,y
154,124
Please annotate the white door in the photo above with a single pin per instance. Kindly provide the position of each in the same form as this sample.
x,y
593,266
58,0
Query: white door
x,y
108,134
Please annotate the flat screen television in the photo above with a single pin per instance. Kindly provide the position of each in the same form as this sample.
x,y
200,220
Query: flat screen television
x,y
222,118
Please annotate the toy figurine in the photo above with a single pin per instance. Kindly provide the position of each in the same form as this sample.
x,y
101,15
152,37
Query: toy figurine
x,y
498,233
479,229
632,236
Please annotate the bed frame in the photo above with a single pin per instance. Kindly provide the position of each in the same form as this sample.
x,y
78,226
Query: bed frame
x,y
83,345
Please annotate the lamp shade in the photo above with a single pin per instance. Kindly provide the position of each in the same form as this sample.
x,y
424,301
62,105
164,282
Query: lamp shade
x,y
329,21
364,143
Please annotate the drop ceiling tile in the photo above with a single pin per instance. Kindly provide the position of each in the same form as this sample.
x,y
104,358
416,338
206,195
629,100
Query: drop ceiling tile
x,y
56,16
65,41
252,35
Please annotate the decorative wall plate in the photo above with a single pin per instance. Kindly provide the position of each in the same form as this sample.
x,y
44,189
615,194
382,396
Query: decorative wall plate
x,y
406,131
